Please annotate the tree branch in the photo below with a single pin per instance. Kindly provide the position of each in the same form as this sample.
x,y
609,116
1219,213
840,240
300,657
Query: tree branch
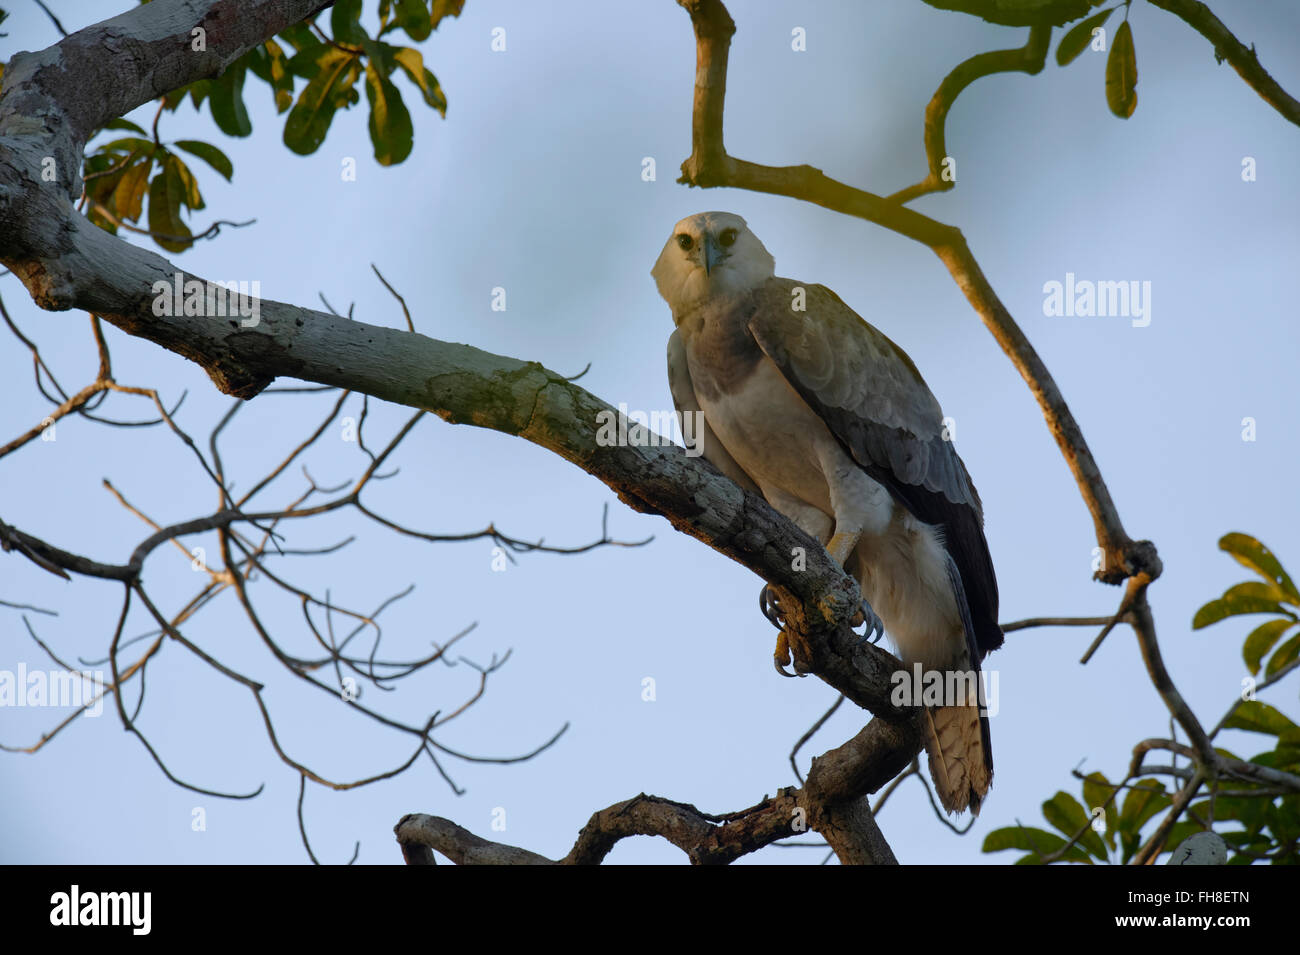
x,y
1025,59
1242,58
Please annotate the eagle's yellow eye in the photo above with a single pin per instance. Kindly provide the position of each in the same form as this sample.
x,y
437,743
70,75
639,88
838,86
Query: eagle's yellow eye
x,y
684,241
728,238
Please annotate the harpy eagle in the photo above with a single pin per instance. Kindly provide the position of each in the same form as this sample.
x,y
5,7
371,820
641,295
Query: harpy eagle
x,y
830,421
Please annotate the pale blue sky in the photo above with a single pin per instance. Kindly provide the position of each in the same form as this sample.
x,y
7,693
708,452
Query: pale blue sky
x,y
533,183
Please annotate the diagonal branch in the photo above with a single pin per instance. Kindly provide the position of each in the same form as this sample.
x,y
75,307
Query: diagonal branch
x,y
1242,58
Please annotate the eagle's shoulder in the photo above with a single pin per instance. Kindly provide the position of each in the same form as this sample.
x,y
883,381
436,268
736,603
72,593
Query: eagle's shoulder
x,y
812,335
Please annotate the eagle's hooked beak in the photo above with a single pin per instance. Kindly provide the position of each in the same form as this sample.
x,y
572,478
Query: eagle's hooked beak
x,y
712,253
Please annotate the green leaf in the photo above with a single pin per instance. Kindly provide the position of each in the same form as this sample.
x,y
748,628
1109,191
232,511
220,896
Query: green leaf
x,y
190,186
124,124
1065,813
1255,588
1121,73
1285,757
128,196
210,154
300,37
227,101
197,91
345,22
165,195
1144,800
330,87
412,64
1258,717
128,144
1261,640
1285,654
390,123
413,17
1250,811
1233,605
1039,842
281,79
1249,552
269,63
1096,790
1079,36
445,8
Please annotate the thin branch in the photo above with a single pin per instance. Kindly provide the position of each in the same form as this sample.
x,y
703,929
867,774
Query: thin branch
x,y
1026,59
410,326
1055,622
1242,58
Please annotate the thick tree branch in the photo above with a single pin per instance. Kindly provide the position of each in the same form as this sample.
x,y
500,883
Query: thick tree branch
x,y
832,804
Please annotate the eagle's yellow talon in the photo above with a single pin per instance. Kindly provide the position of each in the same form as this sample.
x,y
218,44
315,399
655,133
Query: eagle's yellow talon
x,y
781,657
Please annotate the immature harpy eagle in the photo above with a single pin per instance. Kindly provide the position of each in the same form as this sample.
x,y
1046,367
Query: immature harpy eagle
x,y
831,422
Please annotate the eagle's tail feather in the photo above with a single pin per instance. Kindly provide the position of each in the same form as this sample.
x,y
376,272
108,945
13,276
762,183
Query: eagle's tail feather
x,y
960,762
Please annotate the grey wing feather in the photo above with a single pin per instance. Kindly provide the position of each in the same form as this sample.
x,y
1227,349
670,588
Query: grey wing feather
x,y
877,405
683,391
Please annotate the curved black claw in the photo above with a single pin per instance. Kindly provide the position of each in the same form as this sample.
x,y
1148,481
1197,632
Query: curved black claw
x,y
783,671
875,627
771,607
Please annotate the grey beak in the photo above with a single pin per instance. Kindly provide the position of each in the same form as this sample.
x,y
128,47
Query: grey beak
x,y
712,254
